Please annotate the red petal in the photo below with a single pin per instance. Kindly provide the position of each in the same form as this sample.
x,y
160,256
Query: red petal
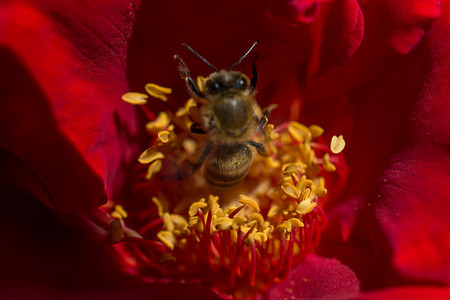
x,y
409,292
400,24
343,33
63,72
413,208
317,278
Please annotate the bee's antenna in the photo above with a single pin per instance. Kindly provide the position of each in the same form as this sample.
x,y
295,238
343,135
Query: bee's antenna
x,y
199,56
242,58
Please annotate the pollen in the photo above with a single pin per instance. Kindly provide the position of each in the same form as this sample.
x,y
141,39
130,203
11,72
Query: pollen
x,y
119,212
160,123
249,235
299,131
149,156
135,98
157,91
337,144
164,136
249,201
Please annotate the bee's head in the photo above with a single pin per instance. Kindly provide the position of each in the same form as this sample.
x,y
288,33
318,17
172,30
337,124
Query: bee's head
x,y
226,81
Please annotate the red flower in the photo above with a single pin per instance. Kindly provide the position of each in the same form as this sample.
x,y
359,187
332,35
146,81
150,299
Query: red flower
x,y
68,140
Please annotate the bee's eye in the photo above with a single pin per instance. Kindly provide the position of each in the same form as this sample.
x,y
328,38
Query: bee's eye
x,y
241,84
213,86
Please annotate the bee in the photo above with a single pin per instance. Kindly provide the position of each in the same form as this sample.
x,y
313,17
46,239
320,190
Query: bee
x,y
230,117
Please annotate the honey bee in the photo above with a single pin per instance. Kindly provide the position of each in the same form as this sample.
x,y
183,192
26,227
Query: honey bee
x,y
230,118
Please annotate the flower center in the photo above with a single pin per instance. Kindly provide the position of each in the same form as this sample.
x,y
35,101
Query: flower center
x,y
239,240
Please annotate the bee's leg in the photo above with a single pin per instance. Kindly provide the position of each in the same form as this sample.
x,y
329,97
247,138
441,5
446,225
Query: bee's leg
x,y
255,76
187,76
259,147
197,128
264,119
189,168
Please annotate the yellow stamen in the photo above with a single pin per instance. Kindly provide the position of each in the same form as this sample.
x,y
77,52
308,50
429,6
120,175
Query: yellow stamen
x,y
293,168
193,209
160,123
284,227
319,191
201,82
249,201
167,221
135,98
337,144
327,165
149,156
290,190
316,131
119,212
184,111
154,168
304,183
296,222
238,221
164,136
159,205
167,238
306,206
157,91
189,145
299,131
273,211
224,223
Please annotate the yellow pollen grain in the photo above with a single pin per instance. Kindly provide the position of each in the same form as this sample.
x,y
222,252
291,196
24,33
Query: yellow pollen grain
x,y
164,136
306,206
167,221
201,82
296,222
158,205
119,209
290,190
135,98
149,156
337,144
273,211
305,194
299,131
293,168
189,145
166,257
273,163
238,221
224,223
193,209
184,111
160,123
271,133
258,217
249,201
285,226
157,91
154,168
266,232
179,221
319,191
327,165
316,131
304,183
214,207
167,238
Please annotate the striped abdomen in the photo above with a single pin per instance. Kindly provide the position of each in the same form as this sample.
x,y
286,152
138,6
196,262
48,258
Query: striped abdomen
x,y
227,165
